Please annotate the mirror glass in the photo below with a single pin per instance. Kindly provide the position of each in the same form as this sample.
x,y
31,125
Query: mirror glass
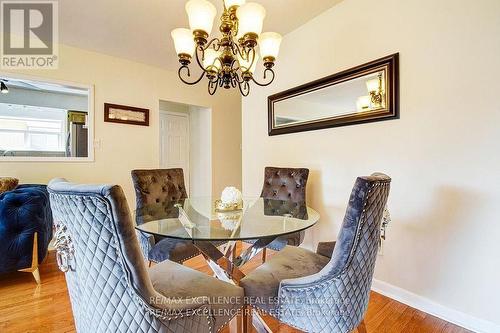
x,y
365,93
43,120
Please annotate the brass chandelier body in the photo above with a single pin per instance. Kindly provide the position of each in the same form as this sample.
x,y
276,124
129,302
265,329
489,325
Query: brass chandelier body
x,y
227,70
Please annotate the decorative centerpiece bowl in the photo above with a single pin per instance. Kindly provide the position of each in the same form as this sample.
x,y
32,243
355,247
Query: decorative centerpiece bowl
x,y
227,207
231,200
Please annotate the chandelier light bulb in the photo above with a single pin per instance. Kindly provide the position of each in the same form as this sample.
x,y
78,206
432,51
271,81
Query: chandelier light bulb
x,y
233,3
269,43
245,64
363,103
373,85
251,18
201,14
211,61
183,41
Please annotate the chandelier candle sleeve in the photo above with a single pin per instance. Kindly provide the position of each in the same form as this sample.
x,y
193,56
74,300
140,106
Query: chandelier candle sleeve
x,y
211,61
247,66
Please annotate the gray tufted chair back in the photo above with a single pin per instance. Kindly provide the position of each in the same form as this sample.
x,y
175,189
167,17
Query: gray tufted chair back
x,y
108,282
344,283
285,184
158,186
296,210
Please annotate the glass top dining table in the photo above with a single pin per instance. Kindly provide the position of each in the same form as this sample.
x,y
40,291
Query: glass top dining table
x,y
216,233
198,219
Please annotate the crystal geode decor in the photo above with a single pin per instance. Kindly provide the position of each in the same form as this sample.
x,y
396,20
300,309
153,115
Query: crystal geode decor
x,y
231,199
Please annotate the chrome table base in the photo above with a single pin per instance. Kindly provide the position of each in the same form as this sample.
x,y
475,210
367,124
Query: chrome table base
x,y
222,263
229,270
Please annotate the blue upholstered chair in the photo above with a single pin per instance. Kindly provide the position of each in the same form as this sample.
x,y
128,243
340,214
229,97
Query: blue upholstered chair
x,y
110,288
25,228
326,291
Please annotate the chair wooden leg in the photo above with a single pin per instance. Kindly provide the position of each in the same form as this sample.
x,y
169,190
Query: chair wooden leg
x,y
247,319
235,253
362,327
36,275
239,321
264,254
34,261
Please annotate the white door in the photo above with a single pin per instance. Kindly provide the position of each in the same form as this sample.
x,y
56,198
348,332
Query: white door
x,y
174,143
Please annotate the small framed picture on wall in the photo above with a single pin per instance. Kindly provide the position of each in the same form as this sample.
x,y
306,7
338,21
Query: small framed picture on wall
x,y
114,113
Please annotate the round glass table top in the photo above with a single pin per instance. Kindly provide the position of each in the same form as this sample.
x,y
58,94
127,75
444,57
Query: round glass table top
x,y
197,219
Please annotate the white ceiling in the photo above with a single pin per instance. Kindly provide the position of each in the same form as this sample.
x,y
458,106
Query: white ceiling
x,y
139,30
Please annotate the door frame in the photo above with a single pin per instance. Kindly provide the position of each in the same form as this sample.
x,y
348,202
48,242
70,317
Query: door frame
x,y
187,173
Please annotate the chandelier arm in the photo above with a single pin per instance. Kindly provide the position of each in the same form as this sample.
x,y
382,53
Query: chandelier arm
x,y
212,87
243,86
237,78
248,50
238,51
233,68
267,70
246,89
253,60
200,64
243,69
189,75
214,79
215,42
234,80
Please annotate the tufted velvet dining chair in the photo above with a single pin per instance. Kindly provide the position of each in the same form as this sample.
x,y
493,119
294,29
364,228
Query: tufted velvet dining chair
x,y
110,288
287,185
327,291
156,193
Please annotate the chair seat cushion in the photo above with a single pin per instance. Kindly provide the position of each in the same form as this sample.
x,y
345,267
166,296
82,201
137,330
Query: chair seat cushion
x,y
172,249
179,282
262,285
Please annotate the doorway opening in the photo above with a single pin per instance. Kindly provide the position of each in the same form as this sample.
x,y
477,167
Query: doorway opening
x,y
186,142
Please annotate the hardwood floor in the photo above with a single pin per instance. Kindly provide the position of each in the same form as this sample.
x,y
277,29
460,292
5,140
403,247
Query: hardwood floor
x,y
26,307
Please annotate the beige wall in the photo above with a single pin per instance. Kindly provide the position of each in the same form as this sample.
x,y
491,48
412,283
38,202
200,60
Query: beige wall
x,y
200,153
125,147
443,243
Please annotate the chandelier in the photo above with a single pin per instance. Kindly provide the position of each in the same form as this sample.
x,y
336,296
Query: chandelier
x,y
228,61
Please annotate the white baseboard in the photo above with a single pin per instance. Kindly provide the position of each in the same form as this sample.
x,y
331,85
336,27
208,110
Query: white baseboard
x,y
423,304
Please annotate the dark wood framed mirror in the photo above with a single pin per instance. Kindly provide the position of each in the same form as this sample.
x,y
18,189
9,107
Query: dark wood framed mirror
x,y
362,94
